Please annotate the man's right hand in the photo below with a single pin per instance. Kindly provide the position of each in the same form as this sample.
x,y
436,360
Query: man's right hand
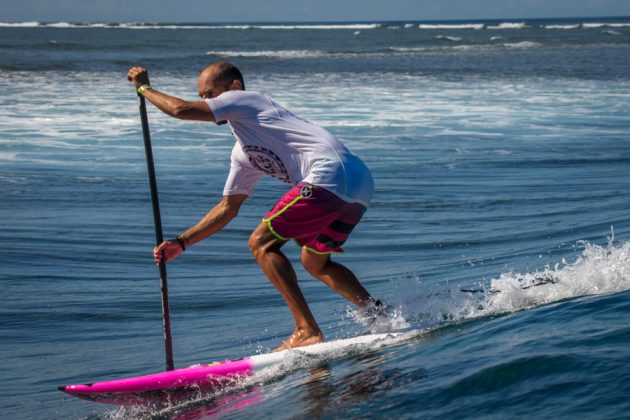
x,y
139,76
169,250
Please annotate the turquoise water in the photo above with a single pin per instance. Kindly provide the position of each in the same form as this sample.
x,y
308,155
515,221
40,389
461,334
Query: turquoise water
x,y
500,154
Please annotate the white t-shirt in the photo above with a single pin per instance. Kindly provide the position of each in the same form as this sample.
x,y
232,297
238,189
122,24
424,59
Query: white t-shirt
x,y
273,141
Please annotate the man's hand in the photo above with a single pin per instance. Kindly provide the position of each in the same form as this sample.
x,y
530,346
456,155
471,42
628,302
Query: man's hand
x,y
168,249
138,76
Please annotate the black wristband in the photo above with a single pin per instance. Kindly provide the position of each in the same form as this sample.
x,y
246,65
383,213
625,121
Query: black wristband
x,y
181,243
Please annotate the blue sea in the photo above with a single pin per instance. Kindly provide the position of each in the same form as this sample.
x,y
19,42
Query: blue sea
x,y
501,156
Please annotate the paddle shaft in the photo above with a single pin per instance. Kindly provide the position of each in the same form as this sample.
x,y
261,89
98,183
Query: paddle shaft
x,y
157,220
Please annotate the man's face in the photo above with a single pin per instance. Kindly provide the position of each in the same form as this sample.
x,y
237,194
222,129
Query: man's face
x,y
209,87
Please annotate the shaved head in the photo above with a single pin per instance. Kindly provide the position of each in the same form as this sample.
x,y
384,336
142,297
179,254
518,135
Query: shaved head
x,y
223,72
219,77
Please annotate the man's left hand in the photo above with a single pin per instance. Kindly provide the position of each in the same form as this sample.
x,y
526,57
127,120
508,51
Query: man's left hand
x,y
167,251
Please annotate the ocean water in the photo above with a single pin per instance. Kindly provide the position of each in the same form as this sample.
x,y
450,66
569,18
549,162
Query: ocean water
x,y
501,156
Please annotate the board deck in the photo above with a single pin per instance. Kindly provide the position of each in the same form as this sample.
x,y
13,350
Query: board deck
x,y
177,383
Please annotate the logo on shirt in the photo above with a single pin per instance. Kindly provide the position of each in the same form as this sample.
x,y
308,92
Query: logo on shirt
x,y
267,161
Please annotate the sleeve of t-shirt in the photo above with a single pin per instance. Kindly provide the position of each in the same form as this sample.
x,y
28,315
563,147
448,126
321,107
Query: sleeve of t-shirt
x,y
243,176
232,105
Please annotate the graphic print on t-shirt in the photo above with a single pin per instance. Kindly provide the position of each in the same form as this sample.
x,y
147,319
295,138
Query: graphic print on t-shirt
x,y
267,161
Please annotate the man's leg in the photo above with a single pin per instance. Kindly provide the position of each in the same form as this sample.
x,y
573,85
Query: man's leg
x,y
336,276
266,248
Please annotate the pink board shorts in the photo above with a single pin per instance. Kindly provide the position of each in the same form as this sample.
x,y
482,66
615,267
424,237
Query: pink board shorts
x,y
315,218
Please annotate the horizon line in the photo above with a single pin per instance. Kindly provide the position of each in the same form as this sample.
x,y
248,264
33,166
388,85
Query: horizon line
x,y
318,22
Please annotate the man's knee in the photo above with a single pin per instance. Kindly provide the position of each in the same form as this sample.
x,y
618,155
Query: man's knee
x,y
255,243
262,240
314,263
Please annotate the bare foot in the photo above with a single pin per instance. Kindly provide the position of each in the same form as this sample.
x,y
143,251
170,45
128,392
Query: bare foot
x,y
301,338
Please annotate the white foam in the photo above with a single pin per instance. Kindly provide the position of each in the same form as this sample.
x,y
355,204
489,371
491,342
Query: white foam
x,y
597,270
19,24
509,45
408,49
602,25
61,25
142,25
272,54
262,27
564,27
322,27
393,320
8,156
293,54
476,26
449,38
510,25
522,44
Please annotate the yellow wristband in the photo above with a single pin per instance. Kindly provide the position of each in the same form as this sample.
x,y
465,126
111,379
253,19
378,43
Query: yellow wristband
x,y
142,88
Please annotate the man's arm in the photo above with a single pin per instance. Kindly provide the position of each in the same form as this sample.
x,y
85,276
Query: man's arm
x,y
179,108
214,221
171,105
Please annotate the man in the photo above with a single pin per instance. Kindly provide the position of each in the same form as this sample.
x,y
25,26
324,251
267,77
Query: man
x,y
331,188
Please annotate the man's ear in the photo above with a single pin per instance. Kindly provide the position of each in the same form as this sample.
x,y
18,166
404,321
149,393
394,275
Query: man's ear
x,y
236,85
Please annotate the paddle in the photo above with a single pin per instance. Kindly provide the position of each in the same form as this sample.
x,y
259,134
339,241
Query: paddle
x,y
168,344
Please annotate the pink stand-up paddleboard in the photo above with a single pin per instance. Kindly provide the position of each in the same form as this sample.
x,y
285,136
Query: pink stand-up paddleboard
x,y
170,384
178,383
